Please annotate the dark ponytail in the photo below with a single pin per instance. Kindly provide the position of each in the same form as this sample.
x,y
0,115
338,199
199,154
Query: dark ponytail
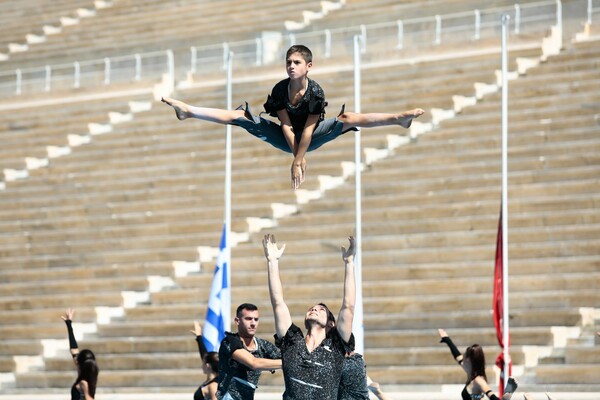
x,y
88,370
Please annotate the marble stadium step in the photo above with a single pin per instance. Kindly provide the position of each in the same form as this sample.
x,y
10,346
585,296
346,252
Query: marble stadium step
x,y
393,221
379,241
72,286
544,133
32,331
391,288
519,318
20,241
114,257
86,272
534,336
564,300
64,301
447,374
45,315
582,354
422,356
429,268
440,204
569,374
412,254
25,347
7,364
39,236
412,318
161,378
558,171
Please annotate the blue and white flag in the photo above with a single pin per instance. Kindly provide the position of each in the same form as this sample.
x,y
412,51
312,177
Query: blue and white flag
x,y
219,303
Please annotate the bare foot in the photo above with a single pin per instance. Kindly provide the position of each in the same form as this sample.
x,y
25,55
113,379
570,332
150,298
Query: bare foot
x,y
407,117
511,385
181,109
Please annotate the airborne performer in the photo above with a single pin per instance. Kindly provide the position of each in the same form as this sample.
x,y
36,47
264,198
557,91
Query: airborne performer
x,y
299,104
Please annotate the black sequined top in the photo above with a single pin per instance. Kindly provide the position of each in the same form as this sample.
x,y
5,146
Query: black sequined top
x,y
311,375
313,102
235,378
353,385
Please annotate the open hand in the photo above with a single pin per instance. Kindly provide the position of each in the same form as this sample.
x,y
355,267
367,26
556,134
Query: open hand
x,y
297,175
442,333
68,316
348,255
303,166
272,252
197,331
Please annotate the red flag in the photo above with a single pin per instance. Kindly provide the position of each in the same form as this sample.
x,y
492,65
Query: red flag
x,y
499,308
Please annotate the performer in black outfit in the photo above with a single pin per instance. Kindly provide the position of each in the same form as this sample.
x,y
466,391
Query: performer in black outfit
x,y
299,104
473,363
353,384
84,387
210,366
312,364
242,357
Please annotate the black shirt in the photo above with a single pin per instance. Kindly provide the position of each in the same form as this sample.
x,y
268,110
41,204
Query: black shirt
x,y
313,102
353,385
235,378
312,375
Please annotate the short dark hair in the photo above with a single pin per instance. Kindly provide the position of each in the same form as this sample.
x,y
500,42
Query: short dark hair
x,y
303,50
245,306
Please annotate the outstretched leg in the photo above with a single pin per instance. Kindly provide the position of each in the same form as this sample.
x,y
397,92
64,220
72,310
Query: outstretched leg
x,y
184,111
355,120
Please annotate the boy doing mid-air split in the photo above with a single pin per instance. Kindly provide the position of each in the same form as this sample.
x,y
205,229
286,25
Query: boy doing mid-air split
x,y
299,104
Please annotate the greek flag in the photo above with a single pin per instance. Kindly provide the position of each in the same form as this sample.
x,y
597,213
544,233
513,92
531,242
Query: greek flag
x,y
219,303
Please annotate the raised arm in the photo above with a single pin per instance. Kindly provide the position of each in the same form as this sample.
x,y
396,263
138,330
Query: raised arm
x,y
243,356
68,318
455,352
283,319
346,316
197,332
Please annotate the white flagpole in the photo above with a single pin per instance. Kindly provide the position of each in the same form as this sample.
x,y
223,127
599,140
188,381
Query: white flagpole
x,y
358,325
227,307
505,315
